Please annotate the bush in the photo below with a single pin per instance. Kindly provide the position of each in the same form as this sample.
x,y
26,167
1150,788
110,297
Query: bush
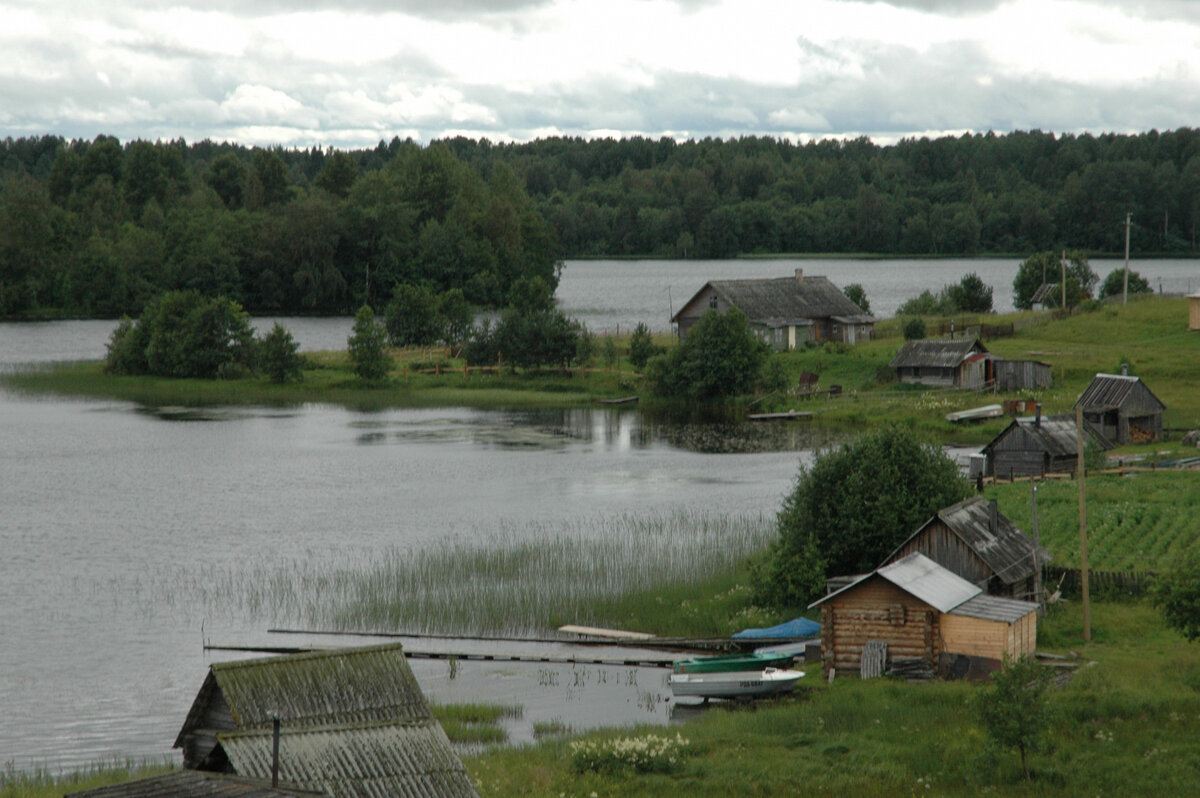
x,y
1114,284
1177,594
1014,710
642,346
278,355
914,329
719,358
855,293
366,345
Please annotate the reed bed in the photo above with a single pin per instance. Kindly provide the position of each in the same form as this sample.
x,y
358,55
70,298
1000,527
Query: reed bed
x,y
513,578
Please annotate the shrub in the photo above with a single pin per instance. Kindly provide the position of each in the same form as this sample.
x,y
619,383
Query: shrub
x,y
278,355
914,329
366,345
642,346
1177,594
1014,710
720,357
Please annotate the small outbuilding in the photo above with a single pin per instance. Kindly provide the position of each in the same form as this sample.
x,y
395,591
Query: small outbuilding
x,y
1037,445
1194,311
1022,375
1122,409
922,610
784,312
974,540
945,362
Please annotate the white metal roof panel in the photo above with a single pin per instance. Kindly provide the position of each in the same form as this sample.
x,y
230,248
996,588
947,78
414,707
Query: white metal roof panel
x,y
930,582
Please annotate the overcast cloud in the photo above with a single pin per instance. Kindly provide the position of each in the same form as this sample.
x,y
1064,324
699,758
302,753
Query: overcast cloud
x,y
349,74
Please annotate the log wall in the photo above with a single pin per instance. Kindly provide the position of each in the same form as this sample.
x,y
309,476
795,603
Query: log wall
x,y
876,610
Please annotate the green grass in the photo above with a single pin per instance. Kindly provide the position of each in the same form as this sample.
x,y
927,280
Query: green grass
x,y
41,783
474,724
1128,725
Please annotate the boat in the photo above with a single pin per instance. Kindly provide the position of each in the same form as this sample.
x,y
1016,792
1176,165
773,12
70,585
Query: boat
x,y
733,662
977,413
742,685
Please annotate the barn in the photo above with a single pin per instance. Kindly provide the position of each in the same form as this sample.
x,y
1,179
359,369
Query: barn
x,y
920,610
976,541
1038,445
784,312
945,362
1122,409
353,722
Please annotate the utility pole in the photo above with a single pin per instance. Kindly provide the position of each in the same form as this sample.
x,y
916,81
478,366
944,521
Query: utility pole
x,y
1062,262
1083,560
1037,546
1125,301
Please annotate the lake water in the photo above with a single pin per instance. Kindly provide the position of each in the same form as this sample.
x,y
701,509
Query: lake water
x,y
122,525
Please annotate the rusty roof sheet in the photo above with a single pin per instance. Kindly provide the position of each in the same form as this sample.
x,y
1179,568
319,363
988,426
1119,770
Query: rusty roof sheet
x,y
784,298
345,685
1111,391
368,760
936,352
921,577
995,608
194,784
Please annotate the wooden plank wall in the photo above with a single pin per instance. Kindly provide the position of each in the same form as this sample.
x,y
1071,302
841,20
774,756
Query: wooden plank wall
x,y
977,637
946,549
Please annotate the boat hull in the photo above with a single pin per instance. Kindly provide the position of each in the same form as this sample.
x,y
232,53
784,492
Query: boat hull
x,y
735,684
734,663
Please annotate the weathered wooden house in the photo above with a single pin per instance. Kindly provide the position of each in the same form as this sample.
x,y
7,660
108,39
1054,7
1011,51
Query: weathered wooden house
x,y
353,722
1122,409
922,610
784,312
1022,375
195,784
947,362
1038,445
974,540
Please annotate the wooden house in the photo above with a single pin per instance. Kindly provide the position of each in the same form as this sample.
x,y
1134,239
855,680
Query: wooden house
x,y
1022,375
784,312
947,362
975,541
1038,445
923,611
352,721
1122,409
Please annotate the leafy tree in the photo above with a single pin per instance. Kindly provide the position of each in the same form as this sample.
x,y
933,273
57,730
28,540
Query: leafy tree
x,y
1045,267
1014,709
412,316
1114,284
851,508
126,352
855,293
969,295
537,338
366,344
914,329
1177,593
531,294
338,174
774,376
279,355
642,346
456,316
720,357
227,176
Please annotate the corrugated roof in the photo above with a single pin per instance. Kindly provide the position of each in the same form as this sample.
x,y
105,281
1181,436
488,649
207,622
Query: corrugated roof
x,y
784,298
366,760
921,577
194,784
1110,391
936,352
1054,434
1007,550
349,685
995,608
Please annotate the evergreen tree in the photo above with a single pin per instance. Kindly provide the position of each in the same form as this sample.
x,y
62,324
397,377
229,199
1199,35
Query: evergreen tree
x,y
366,344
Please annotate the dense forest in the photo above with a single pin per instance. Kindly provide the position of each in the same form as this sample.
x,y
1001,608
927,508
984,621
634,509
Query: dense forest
x,y
95,228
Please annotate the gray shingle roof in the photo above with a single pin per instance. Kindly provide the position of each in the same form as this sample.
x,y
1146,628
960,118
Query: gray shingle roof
x,y
1109,391
193,784
995,608
1006,550
785,299
1054,434
936,352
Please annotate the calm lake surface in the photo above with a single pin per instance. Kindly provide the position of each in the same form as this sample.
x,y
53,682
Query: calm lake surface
x,y
127,531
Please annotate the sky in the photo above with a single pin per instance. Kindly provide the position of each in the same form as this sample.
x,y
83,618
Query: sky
x,y
301,73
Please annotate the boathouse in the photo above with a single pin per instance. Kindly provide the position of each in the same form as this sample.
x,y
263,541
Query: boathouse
x,y
352,722
1038,445
784,312
1122,409
920,610
945,362
974,540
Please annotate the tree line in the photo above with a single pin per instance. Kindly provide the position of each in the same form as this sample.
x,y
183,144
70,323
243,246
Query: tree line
x,y
98,227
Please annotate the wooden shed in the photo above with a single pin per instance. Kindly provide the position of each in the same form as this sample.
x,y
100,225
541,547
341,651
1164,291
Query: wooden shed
x,y
1022,375
354,720
974,540
1122,409
945,362
905,604
1038,445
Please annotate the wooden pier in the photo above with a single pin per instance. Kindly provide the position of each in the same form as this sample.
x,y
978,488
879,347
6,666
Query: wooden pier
x,y
461,656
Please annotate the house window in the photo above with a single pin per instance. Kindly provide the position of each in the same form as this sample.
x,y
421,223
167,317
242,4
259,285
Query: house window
x,y
712,301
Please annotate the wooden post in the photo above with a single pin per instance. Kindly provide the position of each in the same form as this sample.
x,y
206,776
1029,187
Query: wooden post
x,y
275,751
1037,545
1083,560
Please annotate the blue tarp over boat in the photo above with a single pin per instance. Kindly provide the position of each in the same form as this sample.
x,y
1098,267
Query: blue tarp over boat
x,y
798,627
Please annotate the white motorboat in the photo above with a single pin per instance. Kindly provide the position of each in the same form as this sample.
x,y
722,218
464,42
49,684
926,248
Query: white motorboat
x,y
735,684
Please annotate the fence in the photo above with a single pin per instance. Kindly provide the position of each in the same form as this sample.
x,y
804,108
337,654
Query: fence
x,y
1101,584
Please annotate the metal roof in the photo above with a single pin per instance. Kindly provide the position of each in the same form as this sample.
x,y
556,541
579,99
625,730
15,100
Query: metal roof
x,y
1006,550
995,608
1110,391
338,686
1054,434
194,784
782,298
936,352
921,577
365,760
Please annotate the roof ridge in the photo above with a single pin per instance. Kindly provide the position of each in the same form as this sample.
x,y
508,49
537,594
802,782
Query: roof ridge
x,y
305,655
